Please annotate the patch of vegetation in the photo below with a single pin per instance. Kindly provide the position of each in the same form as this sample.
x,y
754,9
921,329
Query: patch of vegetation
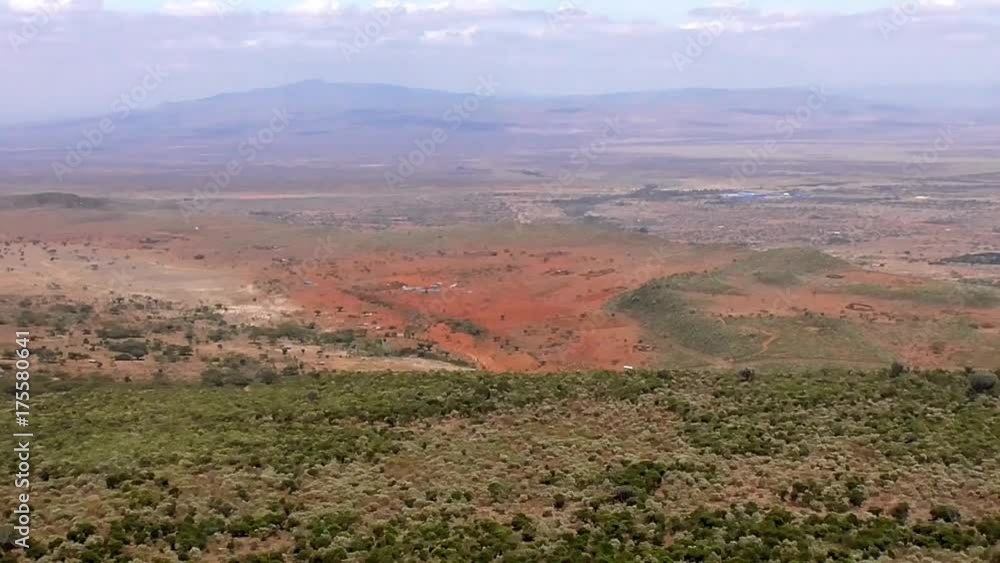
x,y
239,370
465,327
813,339
171,353
636,466
58,200
634,481
290,331
983,383
955,295
789,261
344,337
118,332
134,426
987,258
134,348
776,278
666,313
710,283
59,316
931,417
356,340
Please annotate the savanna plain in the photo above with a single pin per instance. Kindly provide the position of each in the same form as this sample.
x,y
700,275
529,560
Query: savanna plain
x,y
678,333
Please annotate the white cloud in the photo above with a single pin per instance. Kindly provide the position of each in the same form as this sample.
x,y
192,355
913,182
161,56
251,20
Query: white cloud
x,y
464,35
317,7
196,8
52,7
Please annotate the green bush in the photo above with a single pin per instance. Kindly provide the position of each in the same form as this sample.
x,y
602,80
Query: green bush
x,y
118,332
945,513
901,512
981,383
134,348
637,478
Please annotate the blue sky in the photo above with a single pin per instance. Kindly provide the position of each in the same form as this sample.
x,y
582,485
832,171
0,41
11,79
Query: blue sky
x,y
667,11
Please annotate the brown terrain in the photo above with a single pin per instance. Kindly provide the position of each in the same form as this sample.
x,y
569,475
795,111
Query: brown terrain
x,y
511,296
538,238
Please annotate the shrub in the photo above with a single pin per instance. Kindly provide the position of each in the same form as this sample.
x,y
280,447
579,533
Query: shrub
x,y
856,493
644,476
466,327
117,332
238,370
498,491
626,495
945,513
267,376
980,383
80,532
990,529
901,512
342,336
134,348
559,501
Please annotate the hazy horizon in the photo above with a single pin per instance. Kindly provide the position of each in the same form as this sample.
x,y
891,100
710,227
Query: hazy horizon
x,y
71,58
970,96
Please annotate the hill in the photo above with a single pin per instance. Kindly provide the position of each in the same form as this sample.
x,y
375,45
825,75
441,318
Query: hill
x,y
345,127
792,306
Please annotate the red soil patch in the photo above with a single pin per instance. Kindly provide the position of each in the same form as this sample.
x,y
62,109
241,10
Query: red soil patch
x,y
523,308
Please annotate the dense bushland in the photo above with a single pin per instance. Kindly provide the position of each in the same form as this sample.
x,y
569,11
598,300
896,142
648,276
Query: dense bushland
x,y
640,466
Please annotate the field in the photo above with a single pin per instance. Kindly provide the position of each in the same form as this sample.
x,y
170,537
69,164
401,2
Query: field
x,y
536,298
599,466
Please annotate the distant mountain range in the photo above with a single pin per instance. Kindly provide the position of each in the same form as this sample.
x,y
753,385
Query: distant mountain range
x,y
330,124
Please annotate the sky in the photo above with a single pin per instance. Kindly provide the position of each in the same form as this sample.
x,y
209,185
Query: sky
x,y
79,57
661,10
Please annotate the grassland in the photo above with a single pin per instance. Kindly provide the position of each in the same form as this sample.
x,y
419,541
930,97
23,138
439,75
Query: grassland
x,y
792,261
803,309
641,466
710,283
666,312
955,295
782,267
812,340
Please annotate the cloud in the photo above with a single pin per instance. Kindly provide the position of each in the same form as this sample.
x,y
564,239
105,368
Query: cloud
x,y
318,7
195,8
464,35
53,7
